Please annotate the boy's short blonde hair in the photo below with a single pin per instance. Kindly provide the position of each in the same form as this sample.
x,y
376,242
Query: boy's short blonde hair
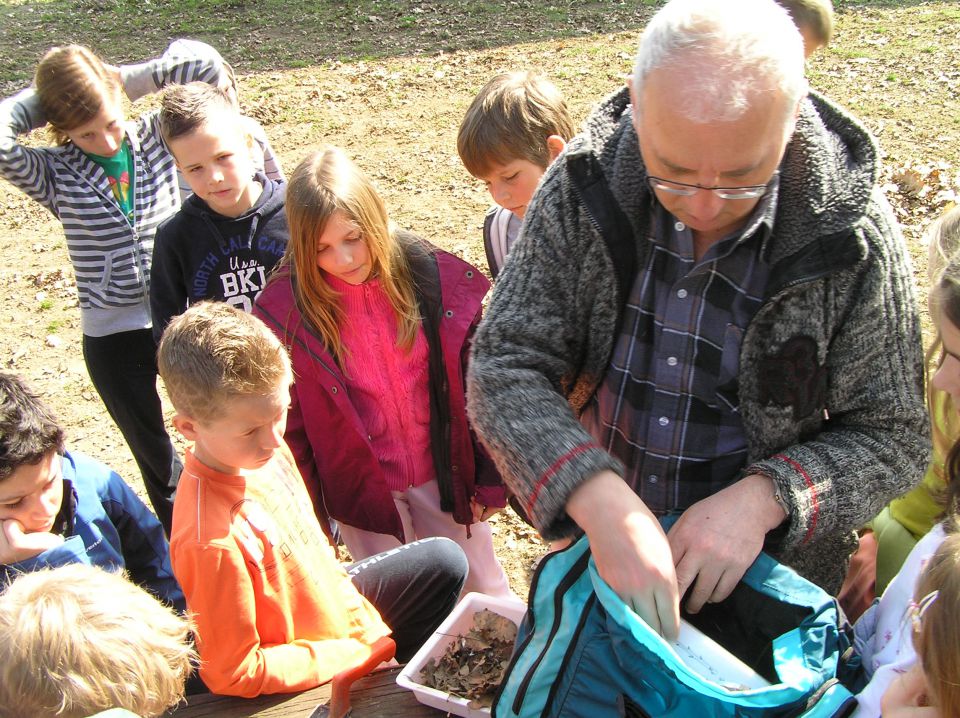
x,y
815,16
184,108
511,118
77,640
214,352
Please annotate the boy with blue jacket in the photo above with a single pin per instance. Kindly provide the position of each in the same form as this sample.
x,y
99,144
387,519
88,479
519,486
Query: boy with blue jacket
x,y
59,507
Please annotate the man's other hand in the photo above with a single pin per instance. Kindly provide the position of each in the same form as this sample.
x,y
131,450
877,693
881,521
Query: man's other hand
x,y
715,540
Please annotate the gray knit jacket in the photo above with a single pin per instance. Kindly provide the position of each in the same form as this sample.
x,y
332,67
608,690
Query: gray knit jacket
x,y
830,380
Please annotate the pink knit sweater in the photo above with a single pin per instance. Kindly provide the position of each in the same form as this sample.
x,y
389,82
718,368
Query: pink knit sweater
x,y
388,386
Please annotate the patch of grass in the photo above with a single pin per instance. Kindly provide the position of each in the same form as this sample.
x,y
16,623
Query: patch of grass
x,y
54,326
46,304
261,35
848,53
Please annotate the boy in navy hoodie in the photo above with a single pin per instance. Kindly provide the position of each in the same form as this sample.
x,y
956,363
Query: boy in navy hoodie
x,y
230,233
59,507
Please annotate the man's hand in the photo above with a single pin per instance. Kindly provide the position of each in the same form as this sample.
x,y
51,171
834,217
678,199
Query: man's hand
x,y
715,540
629,548
16,546
907,697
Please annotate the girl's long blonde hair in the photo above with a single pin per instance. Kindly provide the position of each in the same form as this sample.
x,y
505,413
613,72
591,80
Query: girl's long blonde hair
x,y
326,182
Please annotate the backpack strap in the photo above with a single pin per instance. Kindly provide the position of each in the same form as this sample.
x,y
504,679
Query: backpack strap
x,y
591,187
496,242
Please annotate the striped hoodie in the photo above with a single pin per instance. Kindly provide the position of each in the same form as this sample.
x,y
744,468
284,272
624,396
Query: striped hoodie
x,y
111,258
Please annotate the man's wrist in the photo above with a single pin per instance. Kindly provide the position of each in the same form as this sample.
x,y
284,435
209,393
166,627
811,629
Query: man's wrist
x,y
596,497
772,506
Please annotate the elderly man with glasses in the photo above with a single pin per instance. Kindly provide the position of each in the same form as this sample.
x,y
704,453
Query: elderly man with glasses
x,y
759,374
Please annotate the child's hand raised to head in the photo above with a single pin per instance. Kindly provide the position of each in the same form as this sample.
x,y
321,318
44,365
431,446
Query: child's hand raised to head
x,y
16,545
907,697
481,512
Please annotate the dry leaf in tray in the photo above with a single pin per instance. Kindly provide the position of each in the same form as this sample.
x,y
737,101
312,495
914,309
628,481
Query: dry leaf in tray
x,y
473,665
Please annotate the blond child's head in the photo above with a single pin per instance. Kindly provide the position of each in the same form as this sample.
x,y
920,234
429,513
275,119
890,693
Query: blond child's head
x,y
228,378
81,99
935,613
514,128
340,232
814,20
212,147
77,640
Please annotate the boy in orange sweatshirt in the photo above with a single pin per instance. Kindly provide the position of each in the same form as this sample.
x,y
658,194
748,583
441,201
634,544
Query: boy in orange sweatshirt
x,y
274,610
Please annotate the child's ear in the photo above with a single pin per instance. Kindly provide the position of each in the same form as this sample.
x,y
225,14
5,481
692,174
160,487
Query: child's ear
x,y
185,425
555,145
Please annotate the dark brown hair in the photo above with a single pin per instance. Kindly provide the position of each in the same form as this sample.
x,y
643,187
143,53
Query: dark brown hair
x,y
28,429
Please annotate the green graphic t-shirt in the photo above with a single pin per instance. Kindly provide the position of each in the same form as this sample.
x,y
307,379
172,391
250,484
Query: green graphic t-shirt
x,y
119,171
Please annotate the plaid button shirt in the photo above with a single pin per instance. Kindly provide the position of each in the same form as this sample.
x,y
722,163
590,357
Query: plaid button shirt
x,y
668,407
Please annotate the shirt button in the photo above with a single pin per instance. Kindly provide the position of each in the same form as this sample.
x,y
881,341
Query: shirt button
x,y
664,421
679,226
682,293
671,361
334,390
652,478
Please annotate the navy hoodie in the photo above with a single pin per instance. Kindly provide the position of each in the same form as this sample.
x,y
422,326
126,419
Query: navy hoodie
x,y
199,254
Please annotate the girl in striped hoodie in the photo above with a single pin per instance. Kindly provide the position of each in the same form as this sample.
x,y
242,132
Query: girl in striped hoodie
x,y
110,182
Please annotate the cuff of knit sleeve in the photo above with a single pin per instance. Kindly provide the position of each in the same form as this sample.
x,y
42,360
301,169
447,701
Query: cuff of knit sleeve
x,y
494,497
797,491
547,504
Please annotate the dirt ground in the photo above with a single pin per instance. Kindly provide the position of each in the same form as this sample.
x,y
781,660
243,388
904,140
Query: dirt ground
x,y
896,65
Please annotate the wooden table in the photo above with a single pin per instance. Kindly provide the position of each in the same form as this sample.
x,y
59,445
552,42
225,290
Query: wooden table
x,y
374,696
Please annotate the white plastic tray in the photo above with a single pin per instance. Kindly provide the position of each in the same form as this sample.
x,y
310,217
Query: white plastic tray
x,y
459,622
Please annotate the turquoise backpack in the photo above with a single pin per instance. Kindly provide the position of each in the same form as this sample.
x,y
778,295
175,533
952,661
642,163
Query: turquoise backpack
x,y
582,653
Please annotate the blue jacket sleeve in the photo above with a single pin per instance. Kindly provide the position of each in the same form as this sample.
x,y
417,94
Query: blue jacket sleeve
x,y
146,553
70,551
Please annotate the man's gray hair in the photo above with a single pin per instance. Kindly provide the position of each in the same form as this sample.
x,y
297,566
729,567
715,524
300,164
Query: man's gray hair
x,y
725,54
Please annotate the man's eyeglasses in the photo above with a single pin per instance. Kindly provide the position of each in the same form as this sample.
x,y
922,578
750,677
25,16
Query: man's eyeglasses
x,y
682,189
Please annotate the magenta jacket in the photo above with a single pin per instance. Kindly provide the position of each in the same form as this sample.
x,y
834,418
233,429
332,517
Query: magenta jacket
x,y
324,431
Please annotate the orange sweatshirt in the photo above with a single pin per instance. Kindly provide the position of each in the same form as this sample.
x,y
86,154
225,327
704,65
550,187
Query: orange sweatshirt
x,y
274,610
